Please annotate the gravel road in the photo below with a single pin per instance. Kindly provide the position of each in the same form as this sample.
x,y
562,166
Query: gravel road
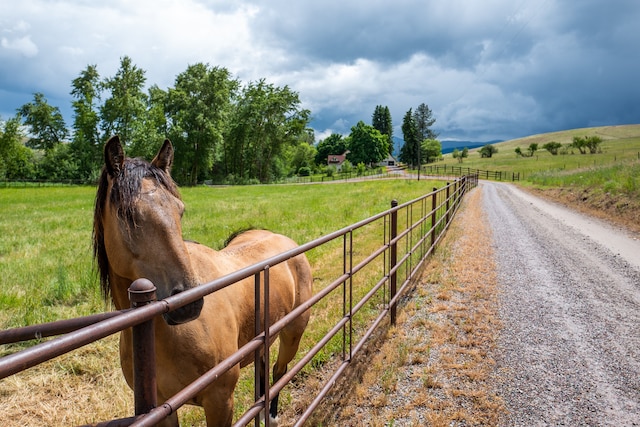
x,y
569,350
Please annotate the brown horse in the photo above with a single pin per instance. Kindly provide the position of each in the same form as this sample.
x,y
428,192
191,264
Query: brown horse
x,y
138,234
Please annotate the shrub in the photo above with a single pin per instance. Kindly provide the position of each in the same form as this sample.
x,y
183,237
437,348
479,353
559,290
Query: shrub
x,y
347,167
304,171
488,151
552,147
584,143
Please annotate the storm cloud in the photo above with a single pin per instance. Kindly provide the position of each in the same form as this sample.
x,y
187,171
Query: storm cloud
x,y
495,69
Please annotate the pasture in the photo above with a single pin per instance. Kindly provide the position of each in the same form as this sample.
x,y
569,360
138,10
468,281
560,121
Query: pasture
x,y
620,147
47,274
605,184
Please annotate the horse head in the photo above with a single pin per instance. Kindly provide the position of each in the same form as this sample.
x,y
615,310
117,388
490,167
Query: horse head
x,y
138,230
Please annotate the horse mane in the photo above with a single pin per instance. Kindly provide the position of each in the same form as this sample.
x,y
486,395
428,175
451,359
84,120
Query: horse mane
x,y
236,234
124,193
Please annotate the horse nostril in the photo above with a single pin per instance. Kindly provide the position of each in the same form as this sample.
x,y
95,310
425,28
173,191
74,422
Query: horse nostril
x,y
176,291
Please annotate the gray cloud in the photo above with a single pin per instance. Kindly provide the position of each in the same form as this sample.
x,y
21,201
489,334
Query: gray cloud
x,y
491,69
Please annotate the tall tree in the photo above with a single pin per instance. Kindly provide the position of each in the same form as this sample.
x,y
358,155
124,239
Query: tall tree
x,y
381,120
16,160
423,118
85,145
266,119
45,123
152,126
367,145
198,109
410,151
124,109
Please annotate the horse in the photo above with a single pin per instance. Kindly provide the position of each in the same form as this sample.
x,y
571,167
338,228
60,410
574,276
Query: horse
x,y
138,234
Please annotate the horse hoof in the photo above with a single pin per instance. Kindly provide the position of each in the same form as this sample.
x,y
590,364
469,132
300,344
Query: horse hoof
x,y
273,422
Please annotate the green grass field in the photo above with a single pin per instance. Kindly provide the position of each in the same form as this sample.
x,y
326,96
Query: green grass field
x,y
46,266
46,270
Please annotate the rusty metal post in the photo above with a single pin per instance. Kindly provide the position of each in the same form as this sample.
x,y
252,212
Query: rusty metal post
x,y
141,293
434,206
267,359
393,259
448,188
258,367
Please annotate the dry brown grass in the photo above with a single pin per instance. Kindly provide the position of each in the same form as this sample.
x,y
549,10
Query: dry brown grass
x,y
69,390
603,206
434,367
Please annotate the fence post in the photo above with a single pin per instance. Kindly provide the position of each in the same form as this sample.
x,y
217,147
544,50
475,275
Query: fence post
x,y
448,194
434,205
141,293
393,259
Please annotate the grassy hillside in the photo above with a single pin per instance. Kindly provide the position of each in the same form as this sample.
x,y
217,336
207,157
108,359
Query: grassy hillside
x,y
620,143
606,184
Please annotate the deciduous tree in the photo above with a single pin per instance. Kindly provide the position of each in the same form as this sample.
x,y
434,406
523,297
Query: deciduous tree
x,y
265,120
431,150
45,123
333,144
488,151
126,104
85,145
367,145
584,143
16,160
198,108
552,147
460,154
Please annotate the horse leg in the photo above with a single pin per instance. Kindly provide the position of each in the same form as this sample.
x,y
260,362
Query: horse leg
x,y
217,400
289,343
170,421
261,387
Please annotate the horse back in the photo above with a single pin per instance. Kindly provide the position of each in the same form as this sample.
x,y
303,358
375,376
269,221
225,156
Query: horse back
x,y
290,282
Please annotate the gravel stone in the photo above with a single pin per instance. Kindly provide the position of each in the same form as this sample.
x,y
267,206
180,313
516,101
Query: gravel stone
x,y
569,350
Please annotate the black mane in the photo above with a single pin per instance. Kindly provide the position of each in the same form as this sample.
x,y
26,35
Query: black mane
x,y
124,194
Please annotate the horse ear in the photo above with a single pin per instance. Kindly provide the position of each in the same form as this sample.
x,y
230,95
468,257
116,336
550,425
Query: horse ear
x,y
164,158
113,155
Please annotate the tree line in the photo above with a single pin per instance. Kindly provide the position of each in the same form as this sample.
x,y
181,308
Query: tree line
x,y
222,130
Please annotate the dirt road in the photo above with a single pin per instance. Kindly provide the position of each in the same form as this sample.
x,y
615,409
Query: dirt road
x,y
569,350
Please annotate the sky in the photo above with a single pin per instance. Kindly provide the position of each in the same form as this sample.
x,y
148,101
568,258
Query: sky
x,y
489,70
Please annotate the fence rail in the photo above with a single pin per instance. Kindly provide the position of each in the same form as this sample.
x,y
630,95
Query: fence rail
x,y
408,233
460,171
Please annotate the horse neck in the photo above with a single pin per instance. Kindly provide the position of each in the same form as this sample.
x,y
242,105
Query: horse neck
x,y
119,290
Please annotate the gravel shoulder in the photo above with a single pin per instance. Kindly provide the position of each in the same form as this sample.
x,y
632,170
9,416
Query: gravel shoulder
x,y
527,315
569,349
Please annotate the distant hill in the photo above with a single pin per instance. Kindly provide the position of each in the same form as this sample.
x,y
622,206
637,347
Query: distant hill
x,y
447,146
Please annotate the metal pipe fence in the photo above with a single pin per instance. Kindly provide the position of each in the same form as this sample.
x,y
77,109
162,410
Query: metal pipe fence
x,y
462,171
369,285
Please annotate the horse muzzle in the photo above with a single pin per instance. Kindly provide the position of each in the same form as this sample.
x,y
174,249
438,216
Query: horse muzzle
x,y
184,314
